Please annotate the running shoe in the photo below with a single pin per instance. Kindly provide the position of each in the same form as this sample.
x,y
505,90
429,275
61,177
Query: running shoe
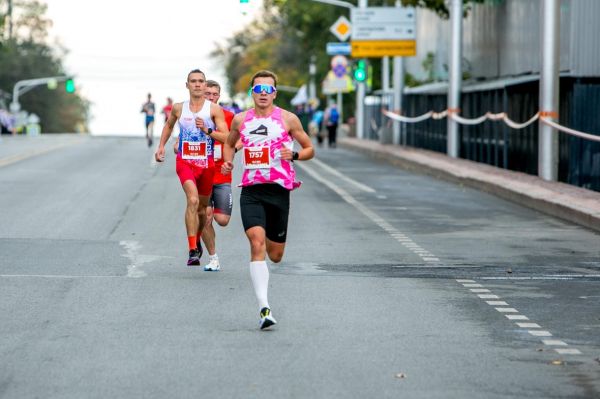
x,y
194,259
213,265
266,319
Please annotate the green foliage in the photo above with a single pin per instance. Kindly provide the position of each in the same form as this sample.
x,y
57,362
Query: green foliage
x,y
27,56
288,34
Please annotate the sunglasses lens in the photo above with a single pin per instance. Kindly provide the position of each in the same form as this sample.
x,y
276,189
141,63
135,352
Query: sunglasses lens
x,y
260,88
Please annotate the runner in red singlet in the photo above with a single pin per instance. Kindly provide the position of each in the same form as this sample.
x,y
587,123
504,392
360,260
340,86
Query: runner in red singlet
x,y
200,122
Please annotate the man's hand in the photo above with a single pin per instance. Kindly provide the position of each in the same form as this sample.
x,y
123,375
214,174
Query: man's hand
x,y
200,123
176,146
159,156
286,154
226,168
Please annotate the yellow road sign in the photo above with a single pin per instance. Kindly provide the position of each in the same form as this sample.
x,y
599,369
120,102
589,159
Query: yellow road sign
x,y
382,48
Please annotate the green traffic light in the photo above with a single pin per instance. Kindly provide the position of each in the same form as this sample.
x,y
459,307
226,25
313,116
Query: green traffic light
x,y
360,75
70,86
360,72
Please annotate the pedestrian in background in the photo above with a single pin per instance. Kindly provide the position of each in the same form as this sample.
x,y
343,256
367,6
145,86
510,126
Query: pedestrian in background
x,y
331,119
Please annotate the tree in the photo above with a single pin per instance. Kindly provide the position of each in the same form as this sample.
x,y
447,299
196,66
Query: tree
x,y
290,32
27,56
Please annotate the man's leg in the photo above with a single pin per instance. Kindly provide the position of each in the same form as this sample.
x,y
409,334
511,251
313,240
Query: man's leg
x,y
192,220
275,250
208,233
150,133
254,218
259,272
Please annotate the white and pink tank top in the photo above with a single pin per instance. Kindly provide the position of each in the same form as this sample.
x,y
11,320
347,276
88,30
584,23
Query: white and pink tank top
x,y
195,147
263,138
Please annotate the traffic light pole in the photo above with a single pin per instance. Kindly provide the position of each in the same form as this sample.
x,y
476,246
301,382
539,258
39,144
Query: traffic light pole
x,y
360,95
23,86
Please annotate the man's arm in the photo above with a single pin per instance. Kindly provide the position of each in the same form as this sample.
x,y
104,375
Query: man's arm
x,y
166,132
229,145
297,132
221,125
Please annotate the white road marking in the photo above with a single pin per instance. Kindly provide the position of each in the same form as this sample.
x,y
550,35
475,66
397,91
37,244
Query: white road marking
x,y
547,277
497,303
507,310
334,172
136,259
464,281
479,290
516,317
540,333
529,325
568,351
378,220
554,342
488,296
472,285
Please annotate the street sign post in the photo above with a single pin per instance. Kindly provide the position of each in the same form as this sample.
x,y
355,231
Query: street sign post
x,y
383,31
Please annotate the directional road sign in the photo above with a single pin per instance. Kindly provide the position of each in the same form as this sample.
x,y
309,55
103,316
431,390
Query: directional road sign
x,y
383,31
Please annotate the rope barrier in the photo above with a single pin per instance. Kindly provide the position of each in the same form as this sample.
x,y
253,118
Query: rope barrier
x,y
543,117
570,131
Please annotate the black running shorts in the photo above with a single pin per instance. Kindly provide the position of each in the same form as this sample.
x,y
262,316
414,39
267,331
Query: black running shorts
x,y
266,205
221,200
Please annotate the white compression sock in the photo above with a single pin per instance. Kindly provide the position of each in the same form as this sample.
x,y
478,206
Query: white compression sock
x,y
259,272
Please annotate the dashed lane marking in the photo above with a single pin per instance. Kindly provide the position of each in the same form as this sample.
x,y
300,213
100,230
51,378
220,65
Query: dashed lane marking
x,y
399,236
521,321
540,333
507,310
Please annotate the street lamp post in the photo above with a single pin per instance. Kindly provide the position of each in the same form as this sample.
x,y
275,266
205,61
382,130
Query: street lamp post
x,y
454,89
23,86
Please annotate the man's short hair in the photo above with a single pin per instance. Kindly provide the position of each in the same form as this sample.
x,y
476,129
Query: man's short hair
x,y
195,71
213,83
264,74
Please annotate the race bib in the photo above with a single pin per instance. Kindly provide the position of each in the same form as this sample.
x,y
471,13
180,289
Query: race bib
x,y
218,151
193,150
257,157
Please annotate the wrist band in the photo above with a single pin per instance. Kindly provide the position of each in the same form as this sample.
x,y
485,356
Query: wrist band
x,y
295,156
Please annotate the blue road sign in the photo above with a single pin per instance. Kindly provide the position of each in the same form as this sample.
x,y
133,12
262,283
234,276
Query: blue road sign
x,y
334,48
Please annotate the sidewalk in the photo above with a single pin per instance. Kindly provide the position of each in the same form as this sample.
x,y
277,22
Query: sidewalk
x,y
562,200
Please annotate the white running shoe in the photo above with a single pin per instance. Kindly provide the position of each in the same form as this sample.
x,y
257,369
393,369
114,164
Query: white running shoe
x,y
266,319
213,265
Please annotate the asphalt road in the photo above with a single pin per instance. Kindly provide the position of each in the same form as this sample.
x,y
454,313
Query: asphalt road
x,y
393,285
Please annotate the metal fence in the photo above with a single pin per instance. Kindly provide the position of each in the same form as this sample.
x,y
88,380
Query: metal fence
x,y
496,144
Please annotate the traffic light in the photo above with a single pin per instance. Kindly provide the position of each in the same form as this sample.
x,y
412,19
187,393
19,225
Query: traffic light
x,y
69,86
244,6
360,71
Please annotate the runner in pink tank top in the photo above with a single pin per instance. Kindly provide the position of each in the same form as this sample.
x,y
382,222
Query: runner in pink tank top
x,y
267,133
263,139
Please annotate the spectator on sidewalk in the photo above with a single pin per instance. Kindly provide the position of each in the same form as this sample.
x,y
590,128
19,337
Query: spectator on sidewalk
x,y
331,119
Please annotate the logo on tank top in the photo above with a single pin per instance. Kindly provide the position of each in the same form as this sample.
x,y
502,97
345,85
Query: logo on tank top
x,y
262,130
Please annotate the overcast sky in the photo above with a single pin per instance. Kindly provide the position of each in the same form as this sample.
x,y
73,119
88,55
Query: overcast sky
x,y
122,50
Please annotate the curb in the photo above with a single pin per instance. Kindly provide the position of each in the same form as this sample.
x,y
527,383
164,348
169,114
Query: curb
x,y
561,200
